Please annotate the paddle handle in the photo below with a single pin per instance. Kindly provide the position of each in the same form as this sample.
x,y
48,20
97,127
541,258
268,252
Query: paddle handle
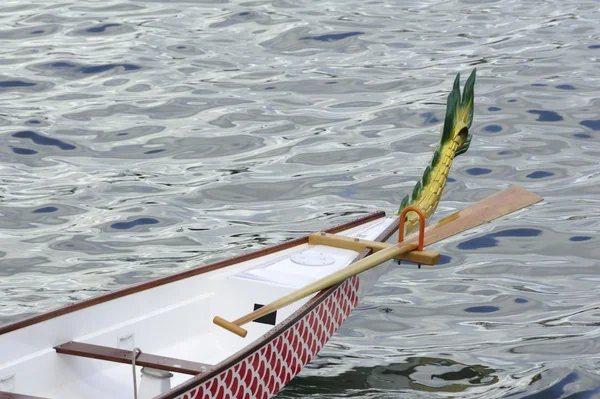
x,y
326,282
221,322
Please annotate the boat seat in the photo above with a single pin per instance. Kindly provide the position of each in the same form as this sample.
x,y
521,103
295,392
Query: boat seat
x,y
125,356
11,395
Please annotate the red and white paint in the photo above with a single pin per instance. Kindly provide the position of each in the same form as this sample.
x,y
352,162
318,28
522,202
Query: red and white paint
x,y
266,371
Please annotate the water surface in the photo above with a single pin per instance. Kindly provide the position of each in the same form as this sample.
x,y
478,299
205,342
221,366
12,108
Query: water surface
x,y
141,138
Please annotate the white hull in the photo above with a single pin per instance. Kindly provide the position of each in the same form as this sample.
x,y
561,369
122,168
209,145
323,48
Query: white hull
x,y
173,319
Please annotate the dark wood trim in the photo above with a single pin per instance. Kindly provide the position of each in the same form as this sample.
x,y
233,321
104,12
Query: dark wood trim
x,y
10,395
178,276
274,332
125,356
391,230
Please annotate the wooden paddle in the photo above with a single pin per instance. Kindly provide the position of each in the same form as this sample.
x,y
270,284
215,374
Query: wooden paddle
x,y
486,210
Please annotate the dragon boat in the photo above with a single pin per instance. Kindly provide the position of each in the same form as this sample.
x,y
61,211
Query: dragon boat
x,y
171,338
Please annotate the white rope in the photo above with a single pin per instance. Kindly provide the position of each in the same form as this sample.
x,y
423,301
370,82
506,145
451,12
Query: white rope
x,y
133,358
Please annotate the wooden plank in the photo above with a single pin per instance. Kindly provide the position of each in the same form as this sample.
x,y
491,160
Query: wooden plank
x,y
132,289
358,245
11,395
124,356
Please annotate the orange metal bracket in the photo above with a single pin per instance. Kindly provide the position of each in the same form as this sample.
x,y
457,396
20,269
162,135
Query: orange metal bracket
x,y
421,224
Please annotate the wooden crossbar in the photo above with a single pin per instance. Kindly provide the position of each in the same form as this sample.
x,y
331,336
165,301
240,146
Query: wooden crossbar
x,y
125,356
358,245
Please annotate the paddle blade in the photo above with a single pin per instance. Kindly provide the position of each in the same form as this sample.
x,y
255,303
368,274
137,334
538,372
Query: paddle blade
x,y
497,205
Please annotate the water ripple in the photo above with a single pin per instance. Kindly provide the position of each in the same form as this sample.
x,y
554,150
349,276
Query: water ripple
x,y
144,138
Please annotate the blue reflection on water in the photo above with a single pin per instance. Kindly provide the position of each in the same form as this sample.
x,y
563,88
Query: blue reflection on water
x,y
539,174
482,309
107,67
580,238
47,209
23,151
430,118
593,124
90,69
444,259
492,128
566,87
478,171
332,37
489,240
546,116
15,83
101,28
133,223
43,140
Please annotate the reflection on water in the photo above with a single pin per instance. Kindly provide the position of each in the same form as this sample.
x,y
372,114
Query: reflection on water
x,y
561,384
489,240
143,138
415,374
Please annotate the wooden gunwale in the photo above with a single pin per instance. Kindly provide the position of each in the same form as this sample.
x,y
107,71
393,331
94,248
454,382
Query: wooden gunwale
x,y
10,395
274,332
178,276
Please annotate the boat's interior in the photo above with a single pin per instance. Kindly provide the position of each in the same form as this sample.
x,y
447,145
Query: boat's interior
x,y
55,358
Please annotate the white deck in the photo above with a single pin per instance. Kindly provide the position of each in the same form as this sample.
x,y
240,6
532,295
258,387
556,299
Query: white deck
x,y
173,320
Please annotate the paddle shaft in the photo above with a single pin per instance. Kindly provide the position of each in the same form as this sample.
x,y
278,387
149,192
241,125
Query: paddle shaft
x,y
486,210
332,279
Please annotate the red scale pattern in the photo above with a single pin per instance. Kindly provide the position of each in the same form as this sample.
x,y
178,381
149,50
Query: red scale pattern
x,y
262,374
